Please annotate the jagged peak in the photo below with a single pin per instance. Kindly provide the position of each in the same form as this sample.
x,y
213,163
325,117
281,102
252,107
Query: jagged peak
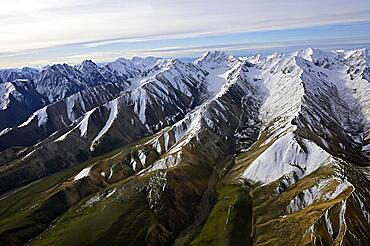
x,y
173,62
275,55
139,59
58,67
357,54
320,58
64,69
29,69
214,58
122,60
255,59
214,53
311,53
87,64
135,66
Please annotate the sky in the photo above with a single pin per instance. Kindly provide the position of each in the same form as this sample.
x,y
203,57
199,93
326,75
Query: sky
x,y
40,32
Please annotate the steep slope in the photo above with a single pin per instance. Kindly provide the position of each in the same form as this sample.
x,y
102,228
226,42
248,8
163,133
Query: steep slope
x,y
320,110
222,151
18,100
38,88
101,125
133,68
299,145
12,75
53,117
61,80
183,147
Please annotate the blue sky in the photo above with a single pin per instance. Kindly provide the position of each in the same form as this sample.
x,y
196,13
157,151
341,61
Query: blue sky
x,y
38,32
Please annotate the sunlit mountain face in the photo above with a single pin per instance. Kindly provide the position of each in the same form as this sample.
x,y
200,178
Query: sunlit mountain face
x,y
218,150
183,122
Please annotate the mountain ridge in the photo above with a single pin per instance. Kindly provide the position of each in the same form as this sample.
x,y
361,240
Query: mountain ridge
x,y
178,144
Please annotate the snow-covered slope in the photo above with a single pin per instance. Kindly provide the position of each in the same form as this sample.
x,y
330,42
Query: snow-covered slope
x,y
136,67
308,94
23,74
18,100
290,130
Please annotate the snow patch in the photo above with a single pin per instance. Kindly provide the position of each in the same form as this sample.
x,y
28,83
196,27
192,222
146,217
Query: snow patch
x,y
84,173
110,193
113,106
85,122
284,156
6,89
5,131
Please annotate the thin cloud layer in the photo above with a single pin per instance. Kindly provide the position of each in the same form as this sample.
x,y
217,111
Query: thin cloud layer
x,y
29,25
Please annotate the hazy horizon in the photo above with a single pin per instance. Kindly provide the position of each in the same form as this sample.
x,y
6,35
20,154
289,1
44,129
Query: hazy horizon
x,y
39,32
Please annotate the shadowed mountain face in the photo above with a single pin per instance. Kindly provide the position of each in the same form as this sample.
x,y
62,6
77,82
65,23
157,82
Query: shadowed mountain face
x,y
255,150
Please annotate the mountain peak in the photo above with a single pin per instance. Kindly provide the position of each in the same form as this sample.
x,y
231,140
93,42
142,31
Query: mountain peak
x,y
284,132
86,64
320,58
215,59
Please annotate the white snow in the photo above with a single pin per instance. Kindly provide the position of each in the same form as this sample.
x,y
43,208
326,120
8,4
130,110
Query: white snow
x,y
82,126
361,201
84,173
193,124
113,107
6,89
111,172
285,83
140,100
85,122
142,158
217,79
70,103
284,156
63,137
284,93
94,199
5,131
29,154
110,193
42,117
164,163
329,224
317,193
133,164
343,186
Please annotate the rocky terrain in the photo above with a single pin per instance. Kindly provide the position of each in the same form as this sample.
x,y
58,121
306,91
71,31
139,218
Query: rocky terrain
x,y
224,150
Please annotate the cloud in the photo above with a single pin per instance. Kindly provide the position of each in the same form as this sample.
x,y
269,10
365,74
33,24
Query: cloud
x,y
35,24
193,51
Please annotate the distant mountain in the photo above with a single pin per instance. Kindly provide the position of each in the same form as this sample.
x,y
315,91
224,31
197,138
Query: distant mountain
x,y
11,75
222,150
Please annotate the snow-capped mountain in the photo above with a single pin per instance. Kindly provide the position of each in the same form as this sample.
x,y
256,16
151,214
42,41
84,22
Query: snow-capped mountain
x,y
171,151
11,75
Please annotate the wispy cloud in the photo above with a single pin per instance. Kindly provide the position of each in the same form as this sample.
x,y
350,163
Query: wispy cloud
x,y
31,24
193,51
88,26
246,48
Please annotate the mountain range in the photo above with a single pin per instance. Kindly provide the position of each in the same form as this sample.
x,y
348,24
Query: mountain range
x,y
223,150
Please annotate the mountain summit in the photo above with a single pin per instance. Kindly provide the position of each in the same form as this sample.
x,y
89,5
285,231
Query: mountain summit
x,y
223,150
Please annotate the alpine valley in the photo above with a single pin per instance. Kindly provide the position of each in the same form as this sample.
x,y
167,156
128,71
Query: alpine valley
x,y
223,150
